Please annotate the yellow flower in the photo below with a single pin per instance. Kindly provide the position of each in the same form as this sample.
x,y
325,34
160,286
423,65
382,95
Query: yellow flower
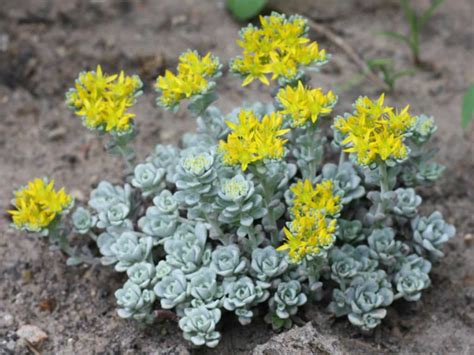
x,y
252,140
313,225
38,204
192,76
375,133
280,47
303,104
308,235
103,100
320,197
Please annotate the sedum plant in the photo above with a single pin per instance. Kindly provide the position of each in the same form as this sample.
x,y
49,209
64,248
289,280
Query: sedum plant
x,y
252,215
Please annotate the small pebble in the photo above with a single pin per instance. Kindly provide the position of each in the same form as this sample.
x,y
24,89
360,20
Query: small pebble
x,y
26,276
57,133
78,195
6,320
469,239
11,345
32,333
178,20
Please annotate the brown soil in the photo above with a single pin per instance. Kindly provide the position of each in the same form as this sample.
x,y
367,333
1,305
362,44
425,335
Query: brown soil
x,y
44,44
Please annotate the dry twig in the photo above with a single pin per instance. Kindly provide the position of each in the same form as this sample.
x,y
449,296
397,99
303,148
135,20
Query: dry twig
x,y
351,53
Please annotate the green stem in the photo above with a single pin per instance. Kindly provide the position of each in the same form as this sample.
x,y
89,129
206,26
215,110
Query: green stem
x,y
58,234
126,157
215,226
383,187
92,235
268,192
397,296
310,172
342,158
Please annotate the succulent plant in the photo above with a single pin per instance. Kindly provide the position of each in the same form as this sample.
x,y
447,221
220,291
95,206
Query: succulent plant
x,y
141,274
407,202
346,180
410,282
285,302
104,242
422,173
113,204
186,249
238,203
306,151
345,268
364,300
241,294
199,324
172,289
107,195
195,175
205,289
267,263
162,269
148,178
135,302
83,220
423,129
226,261
165,157
211,125
161,219
115,216
384,247
130,248
430,234
250,208
350,231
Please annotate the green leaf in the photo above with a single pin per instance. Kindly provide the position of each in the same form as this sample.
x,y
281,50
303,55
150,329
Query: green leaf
x,y
73,261
397,36
411,16
467,113
375,63
429,12
245,9
400,74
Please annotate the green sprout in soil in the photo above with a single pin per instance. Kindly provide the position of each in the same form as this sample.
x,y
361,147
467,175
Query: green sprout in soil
x,y
390,74
416,23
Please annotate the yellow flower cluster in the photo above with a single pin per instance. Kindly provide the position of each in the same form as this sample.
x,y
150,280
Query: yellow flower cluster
x,y
313,225
375,133
279,47
103,100
38,204
304,104
252,140
320,197
191,79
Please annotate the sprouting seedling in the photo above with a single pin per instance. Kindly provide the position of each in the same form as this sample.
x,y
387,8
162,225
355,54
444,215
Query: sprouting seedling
x,y
416,23
467,113
390,74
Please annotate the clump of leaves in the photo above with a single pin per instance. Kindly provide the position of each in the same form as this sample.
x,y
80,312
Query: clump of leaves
x,y
416,23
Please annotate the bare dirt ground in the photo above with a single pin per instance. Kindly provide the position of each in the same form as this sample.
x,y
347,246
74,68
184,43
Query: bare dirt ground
x,y
45,43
